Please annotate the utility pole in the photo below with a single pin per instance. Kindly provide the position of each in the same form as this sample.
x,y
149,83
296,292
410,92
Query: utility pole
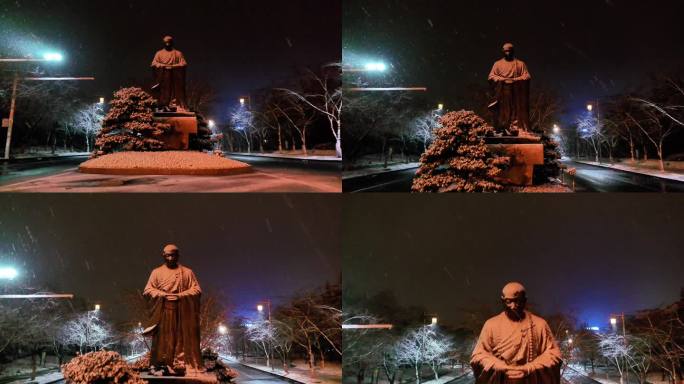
x,y
13,103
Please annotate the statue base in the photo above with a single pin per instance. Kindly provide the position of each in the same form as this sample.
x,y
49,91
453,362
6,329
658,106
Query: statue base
x,y
525,153
190,378
183,124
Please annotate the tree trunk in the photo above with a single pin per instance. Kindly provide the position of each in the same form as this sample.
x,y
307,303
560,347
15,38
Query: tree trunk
x,y
280,139
34,367
304,142
417,374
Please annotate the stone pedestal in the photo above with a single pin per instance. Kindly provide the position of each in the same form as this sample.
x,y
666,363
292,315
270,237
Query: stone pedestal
x,y
190,378
183,125
524,152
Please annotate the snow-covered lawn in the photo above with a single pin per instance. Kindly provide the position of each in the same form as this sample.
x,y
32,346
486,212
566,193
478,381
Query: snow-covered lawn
x,y
331,374
163,163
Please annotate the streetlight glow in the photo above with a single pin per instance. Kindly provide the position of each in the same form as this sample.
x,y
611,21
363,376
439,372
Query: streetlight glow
x,y
101,100
97,307
211,123
556,129
440,106
260,308
222,329
613,321
590,107
53,56
376,67
242,101
8,273
434,321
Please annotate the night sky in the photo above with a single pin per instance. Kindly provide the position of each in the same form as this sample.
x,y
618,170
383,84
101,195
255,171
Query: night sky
x,y
587,255
584,49
238,45
247,247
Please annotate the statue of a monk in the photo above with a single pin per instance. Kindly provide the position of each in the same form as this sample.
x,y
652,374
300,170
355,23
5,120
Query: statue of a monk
x,y
169,67
174,296
511,82
516,346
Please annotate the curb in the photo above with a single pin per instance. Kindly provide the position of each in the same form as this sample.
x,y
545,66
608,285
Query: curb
x,y
273,156
381,172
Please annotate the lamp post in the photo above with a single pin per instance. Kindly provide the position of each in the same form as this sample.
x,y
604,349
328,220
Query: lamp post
x,y
260,308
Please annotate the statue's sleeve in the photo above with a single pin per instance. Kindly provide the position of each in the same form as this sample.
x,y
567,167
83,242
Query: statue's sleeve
x,y
550,354
194,288
155,61
483,360
493,74
181,60
151,289
524,73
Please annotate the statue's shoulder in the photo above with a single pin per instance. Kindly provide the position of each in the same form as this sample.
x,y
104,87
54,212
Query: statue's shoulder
x,y
495,320
537,320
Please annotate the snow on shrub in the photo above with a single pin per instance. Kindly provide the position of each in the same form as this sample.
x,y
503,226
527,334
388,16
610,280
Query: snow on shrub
x,y
102,367
458,159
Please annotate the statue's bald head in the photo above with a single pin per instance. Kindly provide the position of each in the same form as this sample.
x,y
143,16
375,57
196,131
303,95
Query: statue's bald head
x,y
170,254
508,50
513,290
514,299
170,248
168,42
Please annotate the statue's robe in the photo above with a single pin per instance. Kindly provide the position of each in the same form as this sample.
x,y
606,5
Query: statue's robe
x,y
511,106
171,82
174,325
528,344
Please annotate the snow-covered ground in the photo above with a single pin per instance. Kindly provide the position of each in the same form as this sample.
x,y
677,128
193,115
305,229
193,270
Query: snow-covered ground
x,y
676,172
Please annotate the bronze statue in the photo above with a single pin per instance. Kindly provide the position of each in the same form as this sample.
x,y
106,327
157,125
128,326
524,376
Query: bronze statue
x,y
174,296
511,105
516,346
169,66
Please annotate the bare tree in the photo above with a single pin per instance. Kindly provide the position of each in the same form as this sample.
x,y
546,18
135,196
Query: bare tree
x,y
262,334
423,346
592,131
242,121
88,120
87,330
326,99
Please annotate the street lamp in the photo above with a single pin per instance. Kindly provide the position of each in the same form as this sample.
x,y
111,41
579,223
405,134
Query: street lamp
x,y
433,321
8,273
556,129
53,56
211,123
375,67
440,107
222,329
101,100
590,107
97,307
260,308
613,321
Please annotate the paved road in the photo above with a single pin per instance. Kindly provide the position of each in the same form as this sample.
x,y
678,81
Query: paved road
x,y
270,175
396,181
591,178
22,170
251,375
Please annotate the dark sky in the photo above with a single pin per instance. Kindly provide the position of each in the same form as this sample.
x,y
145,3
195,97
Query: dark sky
x,y
589,255
238,45
583,48
248,247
